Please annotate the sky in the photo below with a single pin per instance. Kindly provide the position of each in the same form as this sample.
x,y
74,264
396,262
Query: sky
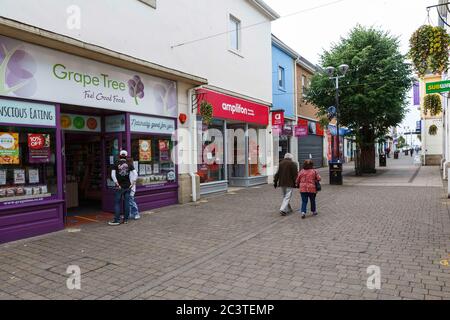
x,y
310,33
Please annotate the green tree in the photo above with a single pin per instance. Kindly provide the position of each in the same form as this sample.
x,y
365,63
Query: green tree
x,y
401,142
373,94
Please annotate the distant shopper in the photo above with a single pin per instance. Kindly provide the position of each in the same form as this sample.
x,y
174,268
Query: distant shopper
x,y
121,177
388,152
417,149
412,151
307,179
134,210
285,178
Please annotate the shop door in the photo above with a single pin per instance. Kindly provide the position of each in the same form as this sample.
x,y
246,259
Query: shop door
x,y
311,147
112,144
283,148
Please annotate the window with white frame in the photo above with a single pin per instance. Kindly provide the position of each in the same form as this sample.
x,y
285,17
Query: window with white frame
x,y
281,78
235,33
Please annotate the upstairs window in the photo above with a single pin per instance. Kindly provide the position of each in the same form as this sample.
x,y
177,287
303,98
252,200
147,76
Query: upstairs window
x,y
235,34
281,78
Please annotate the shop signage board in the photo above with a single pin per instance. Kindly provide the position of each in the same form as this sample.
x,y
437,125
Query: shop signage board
x,y
115,123
76,122
39,73
301,131
152,125
278,118
28,113
437,87
231,108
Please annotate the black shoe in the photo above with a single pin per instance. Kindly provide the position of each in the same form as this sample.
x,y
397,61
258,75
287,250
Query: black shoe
x,y
125,222
303,216
283,213
315,214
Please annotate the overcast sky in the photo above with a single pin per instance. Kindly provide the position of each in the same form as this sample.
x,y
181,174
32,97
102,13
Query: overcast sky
x,y
312,32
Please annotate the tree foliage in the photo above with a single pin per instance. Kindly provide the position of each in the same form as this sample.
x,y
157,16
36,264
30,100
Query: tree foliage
x,y
374,91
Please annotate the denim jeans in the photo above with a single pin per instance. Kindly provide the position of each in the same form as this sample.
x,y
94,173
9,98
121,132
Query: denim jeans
x,y
134,210
125,194
305,197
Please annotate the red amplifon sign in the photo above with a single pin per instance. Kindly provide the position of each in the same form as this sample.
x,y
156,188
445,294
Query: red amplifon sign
x,y
278,118
227,107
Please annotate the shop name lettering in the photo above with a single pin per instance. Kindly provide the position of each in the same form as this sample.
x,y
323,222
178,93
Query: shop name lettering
x,y
152,125
26,113
237,108
61,72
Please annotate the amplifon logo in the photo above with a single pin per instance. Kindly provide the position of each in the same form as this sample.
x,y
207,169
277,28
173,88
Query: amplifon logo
x,y
237,108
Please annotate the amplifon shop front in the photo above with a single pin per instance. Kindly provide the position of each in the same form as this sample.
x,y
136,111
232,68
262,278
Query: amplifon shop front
x,y
232,149
63,121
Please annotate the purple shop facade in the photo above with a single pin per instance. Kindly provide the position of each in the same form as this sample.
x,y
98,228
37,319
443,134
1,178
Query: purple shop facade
x,y
152,98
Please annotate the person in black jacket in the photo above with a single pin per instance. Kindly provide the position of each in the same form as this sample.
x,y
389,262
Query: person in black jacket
x,y
285,178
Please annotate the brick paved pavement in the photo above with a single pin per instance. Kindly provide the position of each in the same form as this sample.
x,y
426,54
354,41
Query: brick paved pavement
x,y
237,246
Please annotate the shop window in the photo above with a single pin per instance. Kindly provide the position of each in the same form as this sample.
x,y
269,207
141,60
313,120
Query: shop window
x,y
211,166
281,78
152,157
256,152
27,164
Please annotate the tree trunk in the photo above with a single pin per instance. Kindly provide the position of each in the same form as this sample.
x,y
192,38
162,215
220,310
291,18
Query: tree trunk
x,y
367,164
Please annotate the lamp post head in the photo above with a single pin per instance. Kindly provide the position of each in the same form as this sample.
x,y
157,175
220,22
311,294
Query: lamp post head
x,y
329,71
343,68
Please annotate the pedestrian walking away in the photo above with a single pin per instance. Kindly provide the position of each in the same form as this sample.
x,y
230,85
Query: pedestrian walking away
x,y
285,178
121,177
134,209
308,180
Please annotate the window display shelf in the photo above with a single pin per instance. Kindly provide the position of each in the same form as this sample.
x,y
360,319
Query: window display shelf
x,y
18,198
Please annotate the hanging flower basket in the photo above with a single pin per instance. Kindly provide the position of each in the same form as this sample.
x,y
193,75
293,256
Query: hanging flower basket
x,y
206,111
429,50
432,103
433,130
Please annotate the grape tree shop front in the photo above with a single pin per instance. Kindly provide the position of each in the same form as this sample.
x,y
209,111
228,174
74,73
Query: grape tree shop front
x,y
63,121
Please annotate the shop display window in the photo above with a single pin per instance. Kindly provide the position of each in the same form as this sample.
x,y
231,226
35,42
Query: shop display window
x,y
27,164
211,166
152,158
257,152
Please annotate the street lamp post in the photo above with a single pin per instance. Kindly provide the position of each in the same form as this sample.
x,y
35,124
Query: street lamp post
x,y
333,75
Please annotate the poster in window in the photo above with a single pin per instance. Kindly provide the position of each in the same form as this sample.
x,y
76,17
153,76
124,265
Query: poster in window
x,y
2,177
142,171
145,150
39,148
9,148
164,150
19,176
33,176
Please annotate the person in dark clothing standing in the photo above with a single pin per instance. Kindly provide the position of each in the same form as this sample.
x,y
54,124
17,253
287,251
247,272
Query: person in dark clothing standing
x,y
285,178
121,177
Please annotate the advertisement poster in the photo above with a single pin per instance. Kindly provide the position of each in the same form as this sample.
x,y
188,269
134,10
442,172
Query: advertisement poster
x,y
9,148
76,122
33,176
164,150
19,176
142,171
39,148
145,150
2,177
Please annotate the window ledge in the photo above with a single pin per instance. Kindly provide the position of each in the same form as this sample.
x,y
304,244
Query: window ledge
x,y
151,3
236,53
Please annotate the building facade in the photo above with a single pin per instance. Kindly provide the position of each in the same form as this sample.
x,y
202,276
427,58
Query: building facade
x,y
81,87
284,111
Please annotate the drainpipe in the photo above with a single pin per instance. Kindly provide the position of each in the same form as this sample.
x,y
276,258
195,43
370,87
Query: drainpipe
x,y
193,154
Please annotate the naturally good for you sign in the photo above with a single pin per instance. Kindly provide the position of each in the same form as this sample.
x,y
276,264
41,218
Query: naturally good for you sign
x,y
437,87
33,72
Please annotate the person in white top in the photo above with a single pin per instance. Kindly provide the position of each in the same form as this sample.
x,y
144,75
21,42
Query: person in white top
x,y
134,210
